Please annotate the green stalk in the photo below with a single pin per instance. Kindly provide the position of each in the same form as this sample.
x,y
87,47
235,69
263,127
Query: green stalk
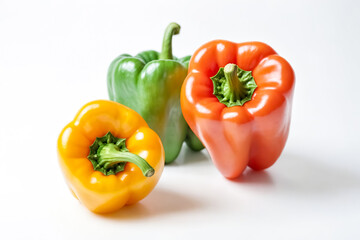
x,y
233,86
166,51
236,89
109,155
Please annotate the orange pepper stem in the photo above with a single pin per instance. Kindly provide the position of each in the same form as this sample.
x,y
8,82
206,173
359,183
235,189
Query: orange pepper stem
x,y
109,155
166,51
237,90
233,86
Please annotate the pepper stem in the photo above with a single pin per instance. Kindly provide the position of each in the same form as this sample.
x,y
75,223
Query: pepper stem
x,y
233,86
110,155
166,51
237,91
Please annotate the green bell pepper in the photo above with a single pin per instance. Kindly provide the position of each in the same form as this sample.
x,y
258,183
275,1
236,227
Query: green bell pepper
x,y
150,84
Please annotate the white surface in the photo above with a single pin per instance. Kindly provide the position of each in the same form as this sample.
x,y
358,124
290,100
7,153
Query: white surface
x,y
54,59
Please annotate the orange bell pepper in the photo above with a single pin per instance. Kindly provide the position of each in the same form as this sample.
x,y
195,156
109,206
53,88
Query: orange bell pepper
x,y
237,100
109,156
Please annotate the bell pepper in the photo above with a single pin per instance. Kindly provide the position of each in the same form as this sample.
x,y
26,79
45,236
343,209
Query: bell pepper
x,y
237,99
109,156
150,84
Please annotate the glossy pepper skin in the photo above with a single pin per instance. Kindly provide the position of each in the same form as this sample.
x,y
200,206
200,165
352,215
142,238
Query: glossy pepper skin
x,y
98,192
253,134
150,84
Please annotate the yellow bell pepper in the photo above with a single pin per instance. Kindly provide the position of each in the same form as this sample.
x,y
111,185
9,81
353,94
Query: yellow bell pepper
x,y
109,156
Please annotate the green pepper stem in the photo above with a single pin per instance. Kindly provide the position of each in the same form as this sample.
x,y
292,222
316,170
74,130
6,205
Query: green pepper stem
x,y
166,51
110,155
237,90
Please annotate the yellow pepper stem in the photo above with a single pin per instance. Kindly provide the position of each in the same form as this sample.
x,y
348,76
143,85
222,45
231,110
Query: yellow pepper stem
x,y
109,155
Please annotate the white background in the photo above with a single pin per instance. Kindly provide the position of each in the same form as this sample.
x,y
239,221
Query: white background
x,y
54,58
